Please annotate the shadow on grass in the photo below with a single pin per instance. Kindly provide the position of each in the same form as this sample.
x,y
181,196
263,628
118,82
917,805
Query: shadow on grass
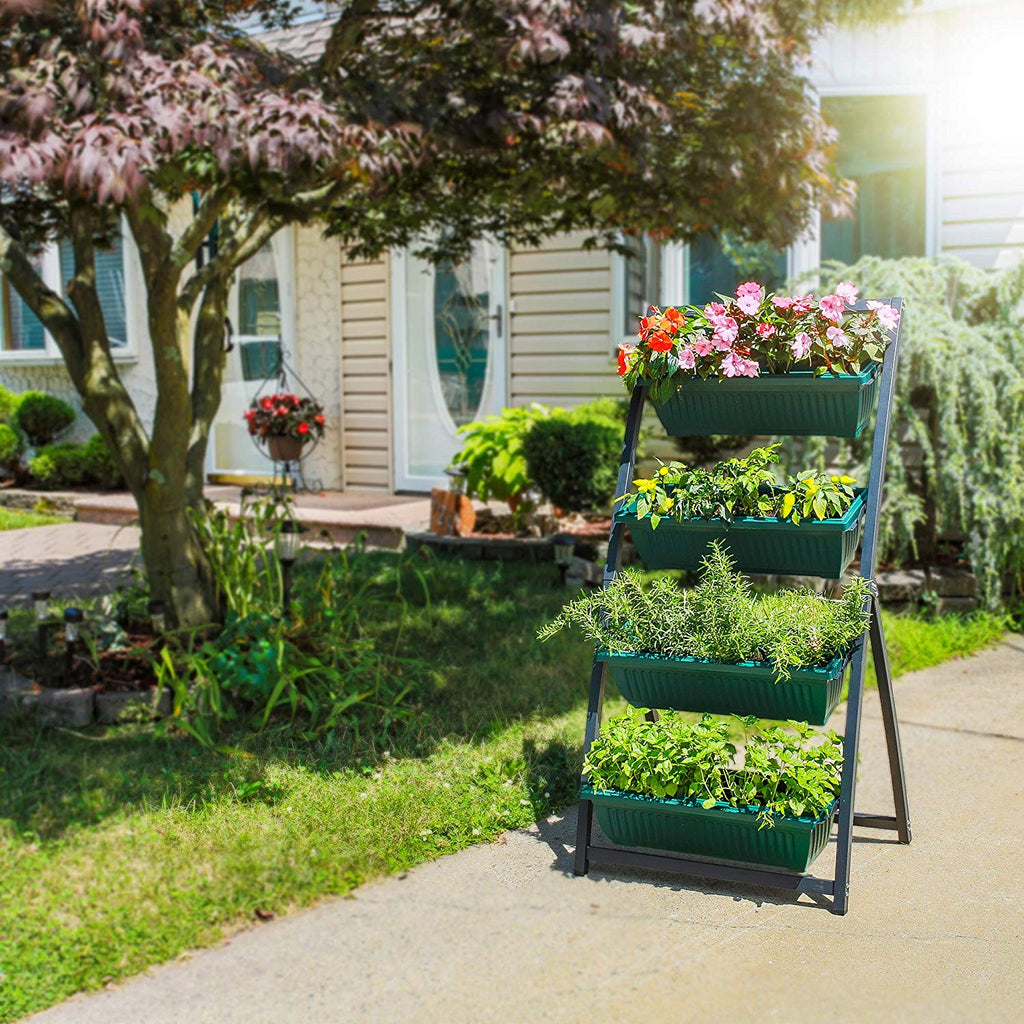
x,y
471,626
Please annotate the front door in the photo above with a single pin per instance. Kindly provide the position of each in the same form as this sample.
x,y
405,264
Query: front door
x,y
450,350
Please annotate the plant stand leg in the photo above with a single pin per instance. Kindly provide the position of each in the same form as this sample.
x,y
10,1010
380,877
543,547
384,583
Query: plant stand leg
x,y
585,819
890,722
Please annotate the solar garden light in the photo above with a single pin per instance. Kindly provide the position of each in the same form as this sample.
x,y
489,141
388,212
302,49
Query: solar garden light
x,y
287,548
157,616
562,546
457,478
3,635
73,619
41,601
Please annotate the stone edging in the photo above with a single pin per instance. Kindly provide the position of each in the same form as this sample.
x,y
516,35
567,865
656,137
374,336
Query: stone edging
x,y
77,707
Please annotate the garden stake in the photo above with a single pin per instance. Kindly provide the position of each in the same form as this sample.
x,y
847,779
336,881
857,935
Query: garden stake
x,y
41,600
3,636
287,546
73,618
837,887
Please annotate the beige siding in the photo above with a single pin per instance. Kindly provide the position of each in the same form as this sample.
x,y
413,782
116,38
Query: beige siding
x,y
561,347
366,376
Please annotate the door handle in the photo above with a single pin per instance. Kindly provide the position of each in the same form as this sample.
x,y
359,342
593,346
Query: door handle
x,y
498,316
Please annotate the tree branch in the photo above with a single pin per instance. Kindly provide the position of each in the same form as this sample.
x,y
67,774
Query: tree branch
x,y
210,209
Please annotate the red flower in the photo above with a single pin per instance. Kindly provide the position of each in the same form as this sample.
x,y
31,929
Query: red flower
x,y
672,319
661,342
625,354
318,420
267,403
282,410
303,428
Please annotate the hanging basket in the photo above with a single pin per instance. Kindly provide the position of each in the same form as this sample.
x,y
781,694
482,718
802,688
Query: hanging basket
x,y
285,449
728,688
723,832
822,547
786,403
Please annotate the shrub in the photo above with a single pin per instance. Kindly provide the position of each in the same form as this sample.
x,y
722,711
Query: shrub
x,y
719,619
674,757
58,465
42,417
960,398
573,459
10,448
99,465
9,402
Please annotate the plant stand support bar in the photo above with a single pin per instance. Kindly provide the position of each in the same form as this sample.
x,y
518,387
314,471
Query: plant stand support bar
x,y
838,888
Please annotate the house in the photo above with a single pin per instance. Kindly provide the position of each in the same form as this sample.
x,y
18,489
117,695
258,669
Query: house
x,y
401,353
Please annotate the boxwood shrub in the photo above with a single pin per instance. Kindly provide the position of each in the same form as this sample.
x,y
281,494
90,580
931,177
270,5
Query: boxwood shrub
x,y
11,447
67,464
9,401
43,417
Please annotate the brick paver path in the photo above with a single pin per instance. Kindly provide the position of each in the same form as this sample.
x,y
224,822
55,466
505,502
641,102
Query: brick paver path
x,y
70,559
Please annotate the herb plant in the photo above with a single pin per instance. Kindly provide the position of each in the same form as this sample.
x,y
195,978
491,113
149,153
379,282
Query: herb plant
x,y
778,772
719,619
756,333
739,487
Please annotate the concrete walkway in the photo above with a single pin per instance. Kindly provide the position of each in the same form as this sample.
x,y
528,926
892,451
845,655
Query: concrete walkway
x,y
505,932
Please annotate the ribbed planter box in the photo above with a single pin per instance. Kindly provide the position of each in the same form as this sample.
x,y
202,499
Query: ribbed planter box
x,y
722,831
789,403
823,547
727,688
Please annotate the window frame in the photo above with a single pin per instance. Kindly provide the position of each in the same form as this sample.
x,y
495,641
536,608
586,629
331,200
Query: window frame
x,y
134,312
674,259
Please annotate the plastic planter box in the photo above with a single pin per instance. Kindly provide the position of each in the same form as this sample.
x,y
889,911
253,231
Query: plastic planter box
x,y
728,688
722,831
822,547
785,403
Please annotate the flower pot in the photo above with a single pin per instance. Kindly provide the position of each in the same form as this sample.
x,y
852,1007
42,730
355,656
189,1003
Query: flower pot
x,y
814,547
728,688
722,831
786,403
285,449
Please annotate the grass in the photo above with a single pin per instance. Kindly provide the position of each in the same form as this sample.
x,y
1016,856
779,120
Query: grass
x,y
18,519
125,849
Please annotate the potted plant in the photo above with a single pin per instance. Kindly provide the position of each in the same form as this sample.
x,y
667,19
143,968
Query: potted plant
x,y
285,423
717,647
810,525
762,364
683,786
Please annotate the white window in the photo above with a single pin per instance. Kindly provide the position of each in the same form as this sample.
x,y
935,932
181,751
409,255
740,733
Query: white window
x,y
652,274
23,337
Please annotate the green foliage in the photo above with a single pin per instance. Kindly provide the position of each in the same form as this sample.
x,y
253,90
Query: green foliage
x,y
960,398
11,447
99,465
42,417
9,401
573,457
719,619
17,519
58,465
492,454
739,487
779,774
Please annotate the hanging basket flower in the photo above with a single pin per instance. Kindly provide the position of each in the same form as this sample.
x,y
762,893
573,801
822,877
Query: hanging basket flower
x,y
285,423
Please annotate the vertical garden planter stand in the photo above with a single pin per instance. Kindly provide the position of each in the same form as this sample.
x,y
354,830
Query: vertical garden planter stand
x,y
844,817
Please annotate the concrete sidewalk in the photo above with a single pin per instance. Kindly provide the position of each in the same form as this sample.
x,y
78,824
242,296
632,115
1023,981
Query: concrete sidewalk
x,y
506,932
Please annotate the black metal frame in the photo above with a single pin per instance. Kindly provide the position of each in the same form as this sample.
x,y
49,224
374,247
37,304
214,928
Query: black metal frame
x,y
845,818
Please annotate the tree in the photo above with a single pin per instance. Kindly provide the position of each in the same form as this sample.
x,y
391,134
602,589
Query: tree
x,y
443,119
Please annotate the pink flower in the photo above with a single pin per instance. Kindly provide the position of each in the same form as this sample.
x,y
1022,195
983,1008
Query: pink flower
x,y
802,304
782,301
714,309
832,307
734,365
749,296
702,345
726,332
801,345
765,329
887,315
847,291
686,358
837,337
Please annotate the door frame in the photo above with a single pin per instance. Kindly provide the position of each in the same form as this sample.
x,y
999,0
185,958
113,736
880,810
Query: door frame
x,y
497,365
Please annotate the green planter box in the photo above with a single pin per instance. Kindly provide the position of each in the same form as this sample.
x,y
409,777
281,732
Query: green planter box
x,y
789,403
823,547
727,688
722,831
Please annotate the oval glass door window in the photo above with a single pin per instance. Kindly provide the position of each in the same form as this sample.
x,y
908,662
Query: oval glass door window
x,y
462,333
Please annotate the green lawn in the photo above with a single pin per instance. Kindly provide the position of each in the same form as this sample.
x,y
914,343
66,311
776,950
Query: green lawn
x,y
122,850
18,519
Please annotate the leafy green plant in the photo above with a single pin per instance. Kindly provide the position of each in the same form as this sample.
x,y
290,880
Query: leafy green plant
x,y
43,417
778,773
11,447
739,487
98,463
9,401
58,465
492,455
573,458
719,619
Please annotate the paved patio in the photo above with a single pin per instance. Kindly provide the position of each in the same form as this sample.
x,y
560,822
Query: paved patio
x,y
505,931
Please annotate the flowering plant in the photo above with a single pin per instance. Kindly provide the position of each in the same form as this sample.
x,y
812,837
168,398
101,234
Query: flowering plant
x,y
755,333
739,487
285,415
